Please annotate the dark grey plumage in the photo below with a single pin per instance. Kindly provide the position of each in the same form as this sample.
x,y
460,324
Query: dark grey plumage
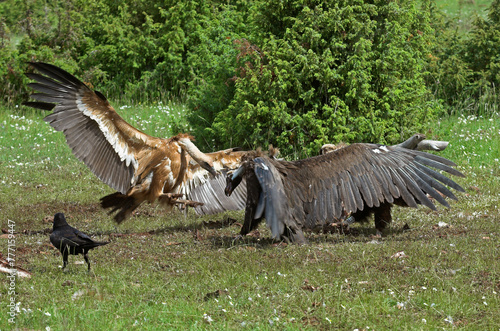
x,y
70,240
416,142
356,178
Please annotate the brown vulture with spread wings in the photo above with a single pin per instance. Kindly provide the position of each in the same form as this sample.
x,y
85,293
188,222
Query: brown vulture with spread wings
x,y
140,167
353,180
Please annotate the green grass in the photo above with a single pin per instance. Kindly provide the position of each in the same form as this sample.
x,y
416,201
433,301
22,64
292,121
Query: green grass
x,y
463,12
169,271
464,8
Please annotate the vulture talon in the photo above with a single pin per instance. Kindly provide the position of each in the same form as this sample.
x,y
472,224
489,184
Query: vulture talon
x,y
189,203
237,238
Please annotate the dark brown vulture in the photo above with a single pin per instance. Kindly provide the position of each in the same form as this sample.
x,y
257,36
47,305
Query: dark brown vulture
x,y
353,180
383,212
140,167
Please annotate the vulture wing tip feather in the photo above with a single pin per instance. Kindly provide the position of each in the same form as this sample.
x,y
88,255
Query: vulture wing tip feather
x,y
320,188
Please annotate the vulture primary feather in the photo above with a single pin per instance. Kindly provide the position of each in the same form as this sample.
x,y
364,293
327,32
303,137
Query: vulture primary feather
x,y
354,180
138,166
417,142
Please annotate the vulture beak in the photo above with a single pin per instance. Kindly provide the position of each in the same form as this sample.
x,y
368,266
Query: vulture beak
x,y
205,165
233,180
229,185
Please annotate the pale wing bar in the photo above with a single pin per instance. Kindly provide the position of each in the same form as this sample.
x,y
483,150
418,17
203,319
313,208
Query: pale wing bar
x,y
211,194
83,135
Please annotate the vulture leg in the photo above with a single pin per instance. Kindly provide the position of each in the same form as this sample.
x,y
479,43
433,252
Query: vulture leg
x,y
237,238
348,221
382,217
188,203
361,215
173,198
249,225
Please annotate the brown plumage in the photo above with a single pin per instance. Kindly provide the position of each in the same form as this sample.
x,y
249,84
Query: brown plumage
x,y
382,213
356,178
140,167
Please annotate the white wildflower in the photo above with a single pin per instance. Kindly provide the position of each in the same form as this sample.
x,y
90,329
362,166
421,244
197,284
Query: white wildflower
x,y
207,318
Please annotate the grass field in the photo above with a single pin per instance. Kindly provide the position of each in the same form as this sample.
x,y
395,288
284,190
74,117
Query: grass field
x,y
463,12
464,8
434,270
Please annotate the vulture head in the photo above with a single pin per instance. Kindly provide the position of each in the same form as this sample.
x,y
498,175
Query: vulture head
x,y
328,148
234,178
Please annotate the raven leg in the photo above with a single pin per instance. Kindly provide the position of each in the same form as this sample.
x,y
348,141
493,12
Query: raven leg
x,y
65,259
86,259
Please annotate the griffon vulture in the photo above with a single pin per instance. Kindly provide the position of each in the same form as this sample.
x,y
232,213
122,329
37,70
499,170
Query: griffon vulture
x,y
140,167
353,180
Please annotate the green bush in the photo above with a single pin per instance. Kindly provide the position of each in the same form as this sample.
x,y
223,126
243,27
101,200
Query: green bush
x,y
133,50
328,71
292,73
464,69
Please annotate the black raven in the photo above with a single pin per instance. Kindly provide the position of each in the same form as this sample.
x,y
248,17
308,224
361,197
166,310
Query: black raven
x,y
70,240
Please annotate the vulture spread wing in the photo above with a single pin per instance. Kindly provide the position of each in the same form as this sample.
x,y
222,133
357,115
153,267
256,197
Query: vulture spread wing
x,y
273,202
365,175
209,190
96,134
322,188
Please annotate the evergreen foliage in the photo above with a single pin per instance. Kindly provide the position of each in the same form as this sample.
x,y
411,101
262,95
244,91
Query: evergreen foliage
x,y
292,73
